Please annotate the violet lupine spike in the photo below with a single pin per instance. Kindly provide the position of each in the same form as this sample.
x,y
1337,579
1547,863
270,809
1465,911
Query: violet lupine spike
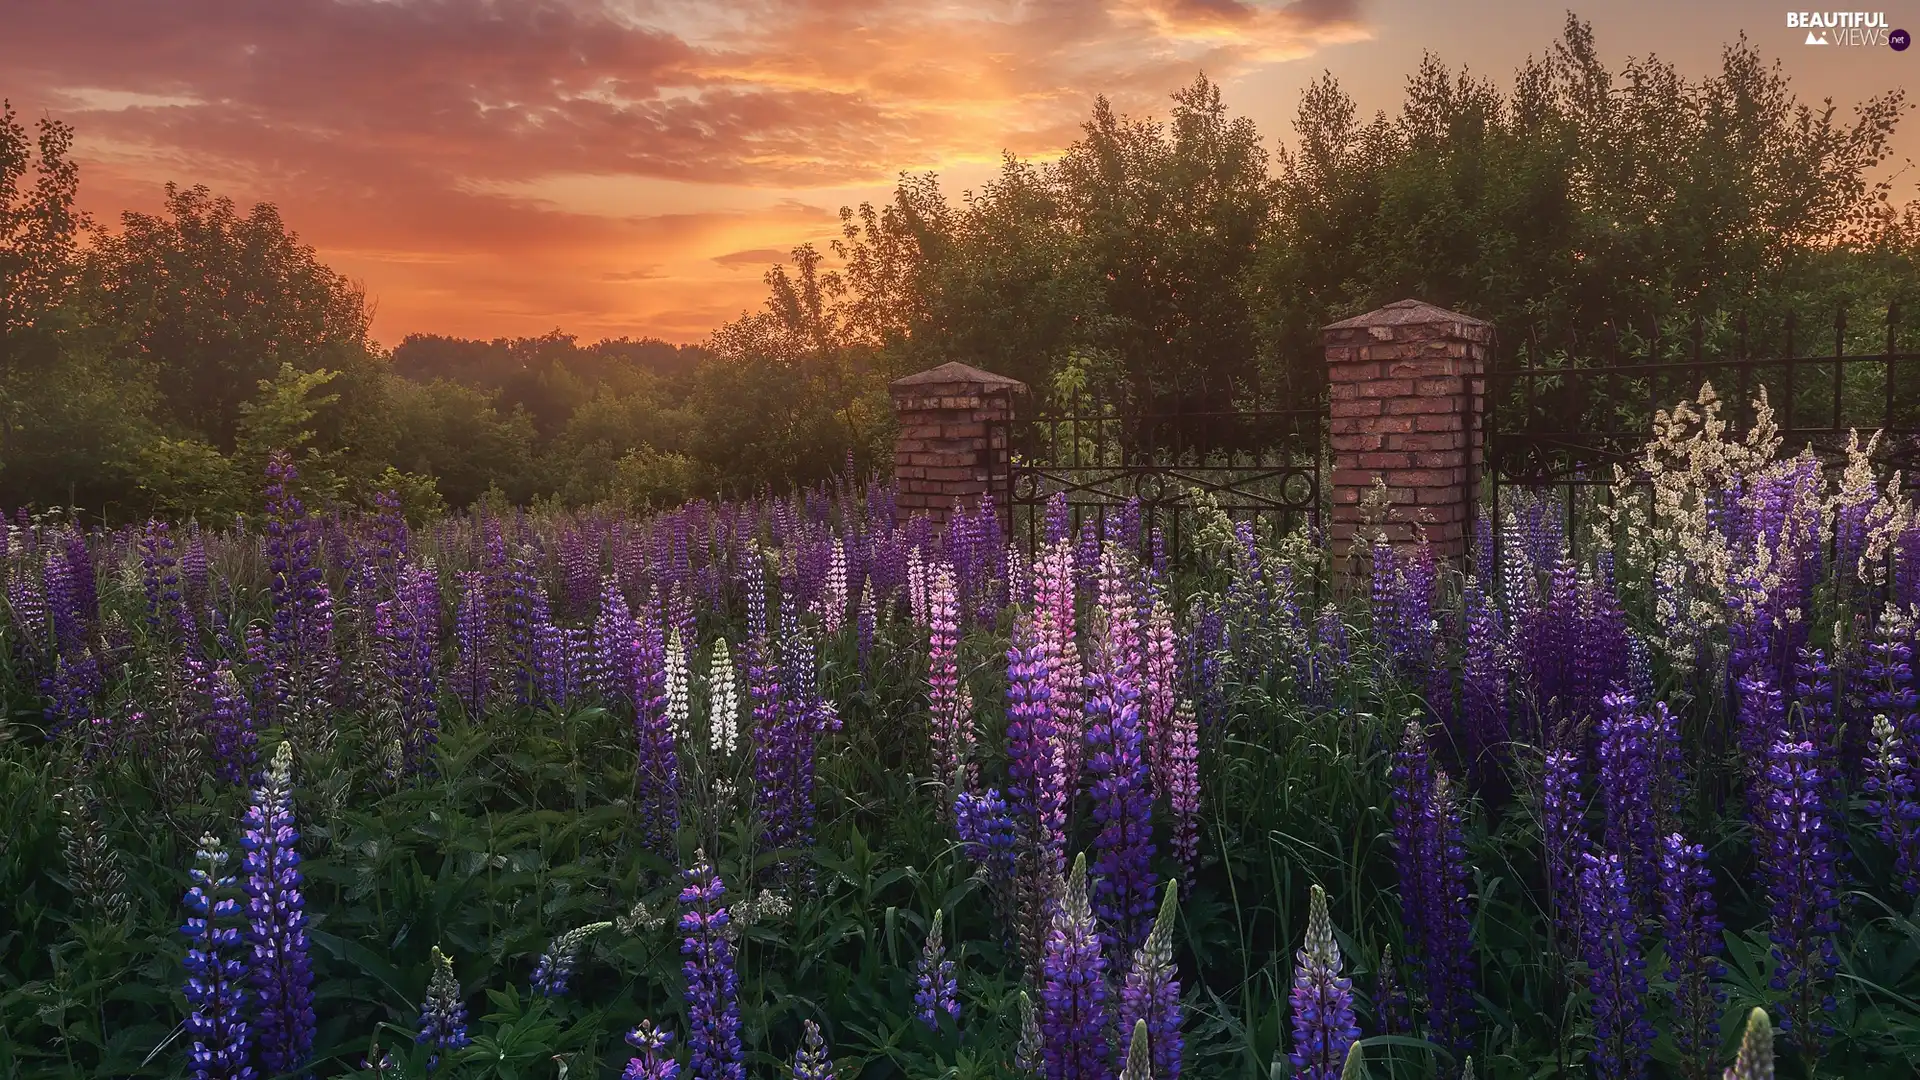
x,y
990,835
1122,806
299,648
166,615
1692,933
1433,887
1151,993
227,720
553,972
811,1061
1627,765
472,637
943,674
1483,679
1892,804
443,1017
1622,1036
656,1061
277,923
613,646
1073,998
1796,858
937,991
221,1046
713,1007
1563,836
1322,999
1035,795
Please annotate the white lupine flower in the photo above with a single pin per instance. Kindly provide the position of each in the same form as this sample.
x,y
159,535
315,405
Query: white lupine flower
x,y
916,585
677,711
723,701
833,596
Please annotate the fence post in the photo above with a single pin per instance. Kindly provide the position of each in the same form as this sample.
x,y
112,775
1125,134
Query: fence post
x,y
1405,395
952,445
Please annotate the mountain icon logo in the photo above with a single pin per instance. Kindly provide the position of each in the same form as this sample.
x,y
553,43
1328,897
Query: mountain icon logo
x,y
1816,39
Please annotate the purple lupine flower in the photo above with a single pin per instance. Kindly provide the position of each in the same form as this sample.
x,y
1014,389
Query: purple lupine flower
x,y
226,719
1483,680
405,632
1692,935
1433,886
1627,767
1563,837
991,838
216,998
1036,797
655,1061
713,1009
443,1018
1891,802
1151,992
937,991
810,1061
277,923
1322,999
613,643
1796,860
1622,1036
1073,1000
553,973
160,580
472,636
1122,804
299,653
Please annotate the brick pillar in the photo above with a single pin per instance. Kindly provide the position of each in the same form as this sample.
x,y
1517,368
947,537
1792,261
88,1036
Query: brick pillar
x,y
952,445
1405,399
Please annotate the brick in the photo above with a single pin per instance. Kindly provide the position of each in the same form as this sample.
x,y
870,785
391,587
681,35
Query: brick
x,y
1422,367
1367,407
1352,478
1439,459
1450,422
966,430
1388,388
1448,385
1359,443
1416,404
1385,461
1393,425
949,472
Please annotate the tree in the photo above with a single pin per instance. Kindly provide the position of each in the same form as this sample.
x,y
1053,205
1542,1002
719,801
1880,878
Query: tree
x,y
216,301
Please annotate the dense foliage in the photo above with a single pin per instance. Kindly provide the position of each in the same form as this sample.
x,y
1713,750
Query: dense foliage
x,y
1176,264
745,787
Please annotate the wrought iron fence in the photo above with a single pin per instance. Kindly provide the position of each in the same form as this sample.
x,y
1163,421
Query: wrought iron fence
x,y
1560,426
1261,464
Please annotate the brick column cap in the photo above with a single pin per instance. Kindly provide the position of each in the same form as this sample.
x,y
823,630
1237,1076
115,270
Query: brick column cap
x,y
1382,323
933,381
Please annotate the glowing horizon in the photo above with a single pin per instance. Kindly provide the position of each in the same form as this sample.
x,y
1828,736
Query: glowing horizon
x,y
631,167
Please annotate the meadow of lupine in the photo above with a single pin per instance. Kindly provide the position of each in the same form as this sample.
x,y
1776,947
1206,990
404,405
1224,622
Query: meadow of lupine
x,y
802,787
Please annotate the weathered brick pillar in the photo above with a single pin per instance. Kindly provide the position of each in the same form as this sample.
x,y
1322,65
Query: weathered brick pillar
x,y
952,446
1405,399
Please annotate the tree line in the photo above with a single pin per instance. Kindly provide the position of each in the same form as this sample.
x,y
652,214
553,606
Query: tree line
x,y
1156,265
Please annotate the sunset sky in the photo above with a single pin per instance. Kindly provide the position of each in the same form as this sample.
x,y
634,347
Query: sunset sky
x,y
632,166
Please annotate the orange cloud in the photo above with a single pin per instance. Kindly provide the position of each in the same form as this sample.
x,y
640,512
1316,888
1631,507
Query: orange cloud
x,y
623,166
